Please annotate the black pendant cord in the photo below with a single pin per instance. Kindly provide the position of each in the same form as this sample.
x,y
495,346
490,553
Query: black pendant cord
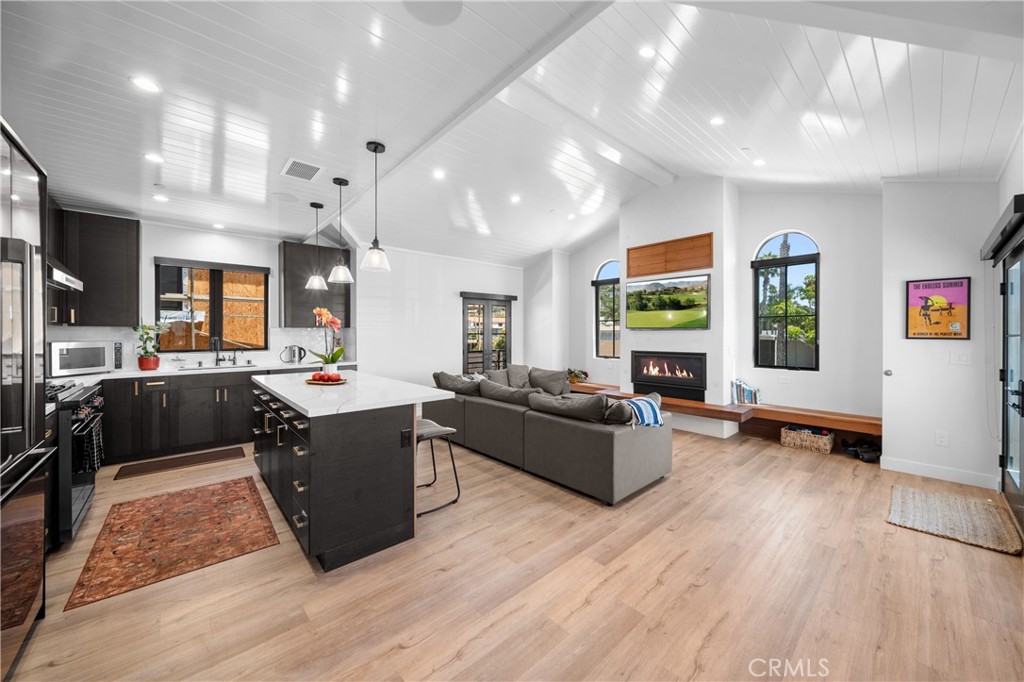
x,y
376,243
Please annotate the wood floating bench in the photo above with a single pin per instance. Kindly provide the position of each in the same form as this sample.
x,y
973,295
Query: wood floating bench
x,y
838,421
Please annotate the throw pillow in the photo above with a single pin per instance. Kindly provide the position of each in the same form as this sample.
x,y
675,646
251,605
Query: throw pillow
x,y
450,382
506,394
553,381
519,376
618,412
498,376
583,407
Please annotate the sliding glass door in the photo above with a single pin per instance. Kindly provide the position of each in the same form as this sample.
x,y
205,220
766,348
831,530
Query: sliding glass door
x,y
1013,382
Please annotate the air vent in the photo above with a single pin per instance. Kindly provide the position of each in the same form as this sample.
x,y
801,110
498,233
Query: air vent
x,y
294,168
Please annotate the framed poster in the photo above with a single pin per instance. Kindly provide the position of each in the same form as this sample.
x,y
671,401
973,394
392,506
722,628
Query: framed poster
x,y
939,308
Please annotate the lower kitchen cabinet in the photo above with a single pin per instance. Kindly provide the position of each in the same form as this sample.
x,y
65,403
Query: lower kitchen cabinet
x,y
163,415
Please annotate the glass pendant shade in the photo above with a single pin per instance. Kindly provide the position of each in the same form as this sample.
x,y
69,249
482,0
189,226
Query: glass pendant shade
x,y
375,259
340,274
316,282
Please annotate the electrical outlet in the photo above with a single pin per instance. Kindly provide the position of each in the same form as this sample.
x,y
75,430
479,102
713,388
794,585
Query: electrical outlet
x,y
784,378
942,439
406,438
959,357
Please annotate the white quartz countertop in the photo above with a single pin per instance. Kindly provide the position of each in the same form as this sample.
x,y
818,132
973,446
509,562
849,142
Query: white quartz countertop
x,y
362,392
169,369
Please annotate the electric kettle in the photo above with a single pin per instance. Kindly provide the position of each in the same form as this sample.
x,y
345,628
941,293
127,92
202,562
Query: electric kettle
x,y
293,354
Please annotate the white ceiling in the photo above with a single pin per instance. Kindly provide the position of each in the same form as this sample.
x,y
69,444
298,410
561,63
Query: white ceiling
x,y
549,101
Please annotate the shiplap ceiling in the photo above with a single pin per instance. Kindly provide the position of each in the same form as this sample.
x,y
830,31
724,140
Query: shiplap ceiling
x,y
549,101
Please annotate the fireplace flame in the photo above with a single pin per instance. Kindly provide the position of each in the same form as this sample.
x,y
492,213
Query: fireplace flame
x,y
653,370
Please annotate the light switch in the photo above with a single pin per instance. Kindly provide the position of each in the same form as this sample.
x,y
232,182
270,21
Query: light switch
x,y
959,357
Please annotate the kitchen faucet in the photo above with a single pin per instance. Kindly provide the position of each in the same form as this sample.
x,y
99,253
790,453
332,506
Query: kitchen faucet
x,y
215,347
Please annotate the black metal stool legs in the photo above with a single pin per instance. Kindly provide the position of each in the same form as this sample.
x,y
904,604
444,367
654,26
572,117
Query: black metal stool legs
x,y
458,488
433,463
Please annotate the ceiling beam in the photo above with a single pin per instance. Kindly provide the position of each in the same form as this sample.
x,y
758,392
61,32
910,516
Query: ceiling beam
x,y
575,22
525,98
984,30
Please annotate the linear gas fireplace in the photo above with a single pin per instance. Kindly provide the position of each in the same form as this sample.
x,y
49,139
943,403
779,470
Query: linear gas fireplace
x,y
676,375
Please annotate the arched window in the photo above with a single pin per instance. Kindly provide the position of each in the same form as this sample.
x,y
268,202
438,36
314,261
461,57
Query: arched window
x,y
786,302
606,310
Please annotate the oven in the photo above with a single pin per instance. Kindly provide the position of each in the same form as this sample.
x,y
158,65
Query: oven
x,y
69,358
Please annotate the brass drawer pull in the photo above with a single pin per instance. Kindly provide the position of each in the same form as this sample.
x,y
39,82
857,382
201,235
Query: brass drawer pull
x,y
301,424
280,426
255,455
155,383
256,391
299,451
264,396
266,422
274,405
257,408
288,414
299,520
256,431
299,486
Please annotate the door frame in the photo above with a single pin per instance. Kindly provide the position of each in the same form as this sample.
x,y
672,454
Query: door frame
x,y
1011,489
487,300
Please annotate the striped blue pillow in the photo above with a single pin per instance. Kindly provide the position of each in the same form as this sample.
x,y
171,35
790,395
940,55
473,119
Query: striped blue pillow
x,y
646,412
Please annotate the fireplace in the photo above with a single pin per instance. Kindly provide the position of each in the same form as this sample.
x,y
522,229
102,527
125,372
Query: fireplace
x,y
675,375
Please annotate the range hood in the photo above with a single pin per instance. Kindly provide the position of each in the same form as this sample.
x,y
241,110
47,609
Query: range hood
x,y
57,276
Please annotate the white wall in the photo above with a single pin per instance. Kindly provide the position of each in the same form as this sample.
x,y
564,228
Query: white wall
x,y
409,320
1011,182
932,230
686,207
848,231
546,306
583,265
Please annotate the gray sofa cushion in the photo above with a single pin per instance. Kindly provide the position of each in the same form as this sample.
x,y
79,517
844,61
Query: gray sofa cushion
x,y
450,382
618,412
498,376
519,376
516,396
553,381
588,408
495,429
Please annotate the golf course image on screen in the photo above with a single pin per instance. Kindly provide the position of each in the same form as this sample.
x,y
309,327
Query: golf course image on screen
x,y
678,303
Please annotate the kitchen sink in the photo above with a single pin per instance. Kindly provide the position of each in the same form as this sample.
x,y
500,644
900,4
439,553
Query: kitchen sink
x,y
222,367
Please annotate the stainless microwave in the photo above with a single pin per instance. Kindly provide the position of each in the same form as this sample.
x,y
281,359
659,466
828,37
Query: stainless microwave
x,y
83,357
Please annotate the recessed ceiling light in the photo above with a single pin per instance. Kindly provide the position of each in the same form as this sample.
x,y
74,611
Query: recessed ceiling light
x,y
572,216
15,197
218,226
155,158
717,121
439,173
758,162
647,52
145,84
161,197
515,199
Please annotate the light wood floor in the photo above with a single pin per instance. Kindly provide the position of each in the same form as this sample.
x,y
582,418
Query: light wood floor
x,y
748,551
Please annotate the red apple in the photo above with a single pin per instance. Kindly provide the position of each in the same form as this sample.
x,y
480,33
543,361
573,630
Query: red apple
x,y
318,376
335,377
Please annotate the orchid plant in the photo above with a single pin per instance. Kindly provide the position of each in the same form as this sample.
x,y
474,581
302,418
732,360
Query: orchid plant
x,y
332,352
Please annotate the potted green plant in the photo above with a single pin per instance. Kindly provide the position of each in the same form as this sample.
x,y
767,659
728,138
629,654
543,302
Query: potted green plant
x,y
577,375
149,346
332,352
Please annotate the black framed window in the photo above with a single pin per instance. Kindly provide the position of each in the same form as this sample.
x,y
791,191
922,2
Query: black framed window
x,y
204,301
607,333
786,302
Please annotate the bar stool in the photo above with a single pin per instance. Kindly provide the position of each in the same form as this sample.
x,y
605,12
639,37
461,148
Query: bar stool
x,y
429,430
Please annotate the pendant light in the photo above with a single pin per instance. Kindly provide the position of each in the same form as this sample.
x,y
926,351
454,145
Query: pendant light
x,y
375,259
316,280
340,274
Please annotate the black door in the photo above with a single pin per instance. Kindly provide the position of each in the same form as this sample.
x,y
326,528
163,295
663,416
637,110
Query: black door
x,y
1013,384
486,334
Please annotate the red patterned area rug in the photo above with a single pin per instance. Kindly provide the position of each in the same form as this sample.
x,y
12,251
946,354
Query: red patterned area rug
x,y
145,541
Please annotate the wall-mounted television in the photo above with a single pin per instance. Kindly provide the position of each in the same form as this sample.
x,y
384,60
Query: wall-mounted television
x,y
675,303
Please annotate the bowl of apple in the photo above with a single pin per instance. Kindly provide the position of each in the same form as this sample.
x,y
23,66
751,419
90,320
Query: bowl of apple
x,y
326,379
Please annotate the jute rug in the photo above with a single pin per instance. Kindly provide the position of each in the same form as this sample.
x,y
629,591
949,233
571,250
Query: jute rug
x,y
153,466
155,538
966,519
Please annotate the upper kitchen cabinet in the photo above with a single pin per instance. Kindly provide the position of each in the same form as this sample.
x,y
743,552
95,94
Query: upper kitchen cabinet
x,y
103,252
298,262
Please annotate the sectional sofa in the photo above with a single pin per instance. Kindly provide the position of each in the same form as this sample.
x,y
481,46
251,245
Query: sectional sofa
x,y
529,419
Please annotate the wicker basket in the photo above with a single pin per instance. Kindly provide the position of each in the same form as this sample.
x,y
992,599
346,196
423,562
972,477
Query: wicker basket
x,y
795,437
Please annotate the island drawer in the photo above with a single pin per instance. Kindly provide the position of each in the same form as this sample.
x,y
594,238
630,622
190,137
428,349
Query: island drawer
x,y
299,521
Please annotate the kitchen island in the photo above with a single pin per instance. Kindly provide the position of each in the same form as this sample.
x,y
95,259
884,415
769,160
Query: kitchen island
x,y
340,460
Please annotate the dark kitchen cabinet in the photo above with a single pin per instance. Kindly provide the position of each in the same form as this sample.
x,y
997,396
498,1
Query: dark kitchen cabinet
x,y
122,419
211,409
196,417
157,405
299,261
106,259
